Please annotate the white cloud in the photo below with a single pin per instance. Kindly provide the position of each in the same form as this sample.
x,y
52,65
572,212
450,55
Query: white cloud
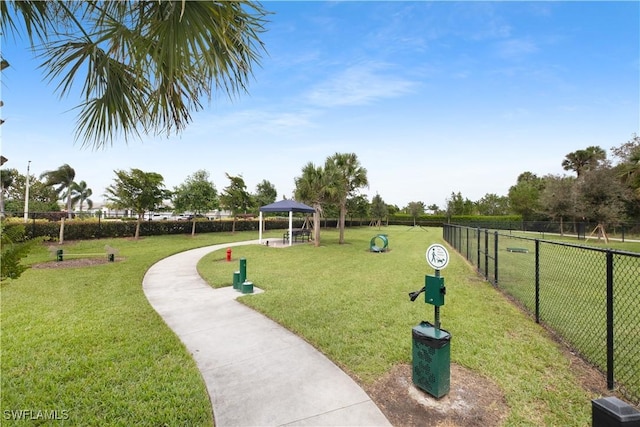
x,y
359,85
257,121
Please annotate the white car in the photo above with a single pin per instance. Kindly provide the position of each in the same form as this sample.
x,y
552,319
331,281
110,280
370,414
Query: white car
x,y
156,217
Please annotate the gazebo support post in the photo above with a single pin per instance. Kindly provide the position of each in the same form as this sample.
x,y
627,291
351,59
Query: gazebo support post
x,y
290,228
260,228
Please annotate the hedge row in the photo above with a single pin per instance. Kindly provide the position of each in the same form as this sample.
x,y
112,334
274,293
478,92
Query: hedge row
x,y
79,229
438,220
92,229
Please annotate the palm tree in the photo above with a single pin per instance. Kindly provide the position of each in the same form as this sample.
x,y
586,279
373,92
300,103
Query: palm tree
x,y
147,65
583,160
350,176
62,178
80,193
313,187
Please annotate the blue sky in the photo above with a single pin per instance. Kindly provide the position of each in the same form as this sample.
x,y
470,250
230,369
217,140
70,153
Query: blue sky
x,y
433,97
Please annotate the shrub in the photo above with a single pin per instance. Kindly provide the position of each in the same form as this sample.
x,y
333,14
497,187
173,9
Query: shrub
x,y
14,247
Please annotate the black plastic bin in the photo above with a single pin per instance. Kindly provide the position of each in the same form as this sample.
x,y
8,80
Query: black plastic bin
x,y
431,356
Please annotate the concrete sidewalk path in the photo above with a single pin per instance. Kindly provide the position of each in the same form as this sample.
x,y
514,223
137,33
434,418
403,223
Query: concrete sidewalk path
x,y
257,373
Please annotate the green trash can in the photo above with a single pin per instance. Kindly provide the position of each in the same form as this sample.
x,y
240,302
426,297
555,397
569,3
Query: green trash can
x,y
431,357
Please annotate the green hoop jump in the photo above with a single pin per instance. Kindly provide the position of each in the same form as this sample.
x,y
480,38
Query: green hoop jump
x,y
373,245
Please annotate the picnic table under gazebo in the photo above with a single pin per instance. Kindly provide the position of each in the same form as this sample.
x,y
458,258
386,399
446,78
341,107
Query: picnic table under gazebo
x,y
290,206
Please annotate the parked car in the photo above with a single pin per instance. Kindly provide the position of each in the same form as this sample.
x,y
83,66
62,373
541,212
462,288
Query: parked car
x,y
153,216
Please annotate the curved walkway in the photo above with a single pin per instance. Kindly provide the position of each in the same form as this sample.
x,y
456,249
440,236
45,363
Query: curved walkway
x,y
257,373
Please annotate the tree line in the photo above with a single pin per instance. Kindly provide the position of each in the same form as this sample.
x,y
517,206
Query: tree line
x,y
333,184
603,191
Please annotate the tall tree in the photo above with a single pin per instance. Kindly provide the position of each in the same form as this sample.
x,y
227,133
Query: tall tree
x,y
601,197
415,209
492,204
558,198
197,195
524,197
265,193
313,187
42,198
358,206
628,169
61,180
349,177
80,194
147,65
236,198
137,190
457,205
581,161
379,210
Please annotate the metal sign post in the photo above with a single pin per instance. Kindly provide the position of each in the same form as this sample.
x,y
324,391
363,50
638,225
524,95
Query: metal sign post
x,y
438,258
430,348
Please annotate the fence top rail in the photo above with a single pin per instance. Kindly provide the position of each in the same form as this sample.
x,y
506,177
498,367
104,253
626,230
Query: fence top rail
x,y
572,245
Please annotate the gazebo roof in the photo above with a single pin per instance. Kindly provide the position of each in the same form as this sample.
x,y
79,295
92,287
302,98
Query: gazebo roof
x,y
287,206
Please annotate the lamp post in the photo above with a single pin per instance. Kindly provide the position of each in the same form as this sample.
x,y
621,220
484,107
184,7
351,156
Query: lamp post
x,y
26,196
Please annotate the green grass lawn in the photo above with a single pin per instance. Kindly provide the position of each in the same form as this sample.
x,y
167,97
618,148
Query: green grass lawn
x,y
86,341
631,243
353,305
573,296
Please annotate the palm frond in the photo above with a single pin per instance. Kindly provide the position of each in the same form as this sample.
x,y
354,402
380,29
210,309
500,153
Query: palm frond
x,y
144,66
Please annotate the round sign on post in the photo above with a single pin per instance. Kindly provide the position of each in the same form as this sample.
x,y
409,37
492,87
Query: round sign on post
x,y
437,256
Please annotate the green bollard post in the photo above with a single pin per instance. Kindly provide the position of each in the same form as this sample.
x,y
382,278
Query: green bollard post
x,y
243,270
236,280
59,255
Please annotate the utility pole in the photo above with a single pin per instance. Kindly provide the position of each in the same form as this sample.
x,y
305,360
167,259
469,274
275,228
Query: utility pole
x,y
26,196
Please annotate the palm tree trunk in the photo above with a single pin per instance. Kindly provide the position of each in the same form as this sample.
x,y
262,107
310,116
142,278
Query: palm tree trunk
x,y
316,225
343,215
193,227
69,203
61,235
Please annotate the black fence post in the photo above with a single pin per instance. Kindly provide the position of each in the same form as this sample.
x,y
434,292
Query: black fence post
x,y
468,254
486,254
479,249
537,284
495,259
610,320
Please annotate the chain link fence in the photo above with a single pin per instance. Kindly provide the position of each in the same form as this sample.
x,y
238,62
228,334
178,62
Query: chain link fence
x,y
589,297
